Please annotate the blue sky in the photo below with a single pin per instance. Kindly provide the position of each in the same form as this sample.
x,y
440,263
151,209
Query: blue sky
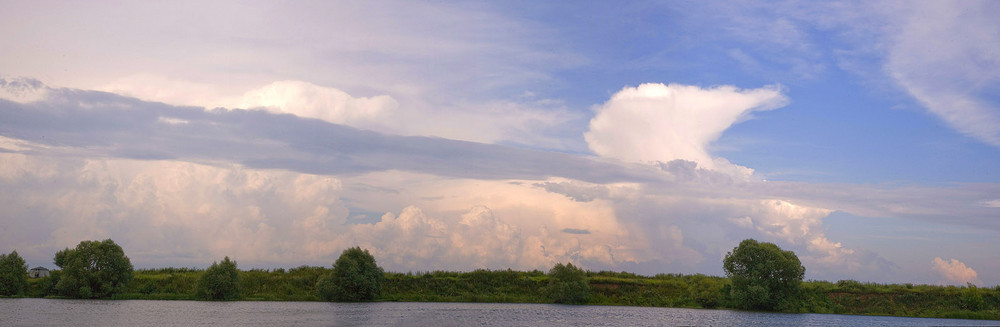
x,y
647,136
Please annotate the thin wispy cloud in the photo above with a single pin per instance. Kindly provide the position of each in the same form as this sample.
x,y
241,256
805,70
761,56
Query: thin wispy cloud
x,y
946,56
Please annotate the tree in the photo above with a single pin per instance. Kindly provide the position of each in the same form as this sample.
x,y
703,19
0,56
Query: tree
x,y
94,269
13,274
567,284
221,281
355,278
764,277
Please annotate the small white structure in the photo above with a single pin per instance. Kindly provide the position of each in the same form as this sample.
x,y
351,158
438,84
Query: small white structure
x,y
38,272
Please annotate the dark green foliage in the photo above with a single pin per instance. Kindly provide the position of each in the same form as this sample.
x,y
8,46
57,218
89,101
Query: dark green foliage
x,y
13,274
498,286
763,276
355,278
296,284
326,288
567,285
221,281
94,269
705,290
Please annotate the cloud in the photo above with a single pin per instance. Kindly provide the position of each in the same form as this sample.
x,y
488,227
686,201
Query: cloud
x,y
299,98
524,120
941,53
175,213
168,212
185,185
945,56
312,101
955,272
657,122
442,70
21,89
91,123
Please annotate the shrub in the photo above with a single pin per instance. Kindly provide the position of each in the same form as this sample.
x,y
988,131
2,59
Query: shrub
x,y
764,277
221,281
13,274
355,278
567,285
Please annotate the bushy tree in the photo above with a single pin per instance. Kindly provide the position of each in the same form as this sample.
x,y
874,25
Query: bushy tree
x,y
355,278
763,276
94,269
567,284
13,274
221,281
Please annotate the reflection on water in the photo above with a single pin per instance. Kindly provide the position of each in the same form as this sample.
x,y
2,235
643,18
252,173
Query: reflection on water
x,y
49,312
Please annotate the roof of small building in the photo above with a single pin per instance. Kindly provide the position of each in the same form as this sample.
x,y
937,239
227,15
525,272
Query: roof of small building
x,y
39,268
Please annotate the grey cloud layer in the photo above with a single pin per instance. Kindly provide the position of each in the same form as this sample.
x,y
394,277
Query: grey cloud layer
x,y
92,123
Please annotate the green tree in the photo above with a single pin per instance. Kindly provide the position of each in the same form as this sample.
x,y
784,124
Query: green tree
x,y
13,274
355,278
221,281
763,276
94,269
567,284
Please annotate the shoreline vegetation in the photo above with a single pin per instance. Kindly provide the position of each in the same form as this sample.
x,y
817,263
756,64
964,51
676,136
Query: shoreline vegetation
x,y
759,276
606,288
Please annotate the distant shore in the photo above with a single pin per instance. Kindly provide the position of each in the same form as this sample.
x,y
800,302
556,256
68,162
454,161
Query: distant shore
x,y
606,288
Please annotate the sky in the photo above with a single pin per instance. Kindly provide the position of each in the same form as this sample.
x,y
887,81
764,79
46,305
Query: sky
x,y
649,137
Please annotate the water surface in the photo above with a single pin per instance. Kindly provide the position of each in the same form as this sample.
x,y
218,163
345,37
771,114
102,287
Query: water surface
x,y
52,312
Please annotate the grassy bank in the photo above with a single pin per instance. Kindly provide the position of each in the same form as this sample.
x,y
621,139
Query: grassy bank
x,y
606,288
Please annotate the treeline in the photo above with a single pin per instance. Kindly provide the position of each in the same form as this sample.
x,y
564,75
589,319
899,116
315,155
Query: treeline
x,y
760,276
605,288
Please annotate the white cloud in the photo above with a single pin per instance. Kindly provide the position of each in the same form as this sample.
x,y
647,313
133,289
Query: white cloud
x,y
313,101
510,224
168,213
945,55
657,122
955,272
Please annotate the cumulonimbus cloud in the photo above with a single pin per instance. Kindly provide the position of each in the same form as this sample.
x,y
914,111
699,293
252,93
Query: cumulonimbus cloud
x,y
656,122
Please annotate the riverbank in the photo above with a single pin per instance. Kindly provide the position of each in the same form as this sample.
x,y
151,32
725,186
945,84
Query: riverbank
x,y
606,288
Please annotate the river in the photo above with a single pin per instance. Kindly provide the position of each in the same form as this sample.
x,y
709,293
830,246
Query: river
x,y
51,312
